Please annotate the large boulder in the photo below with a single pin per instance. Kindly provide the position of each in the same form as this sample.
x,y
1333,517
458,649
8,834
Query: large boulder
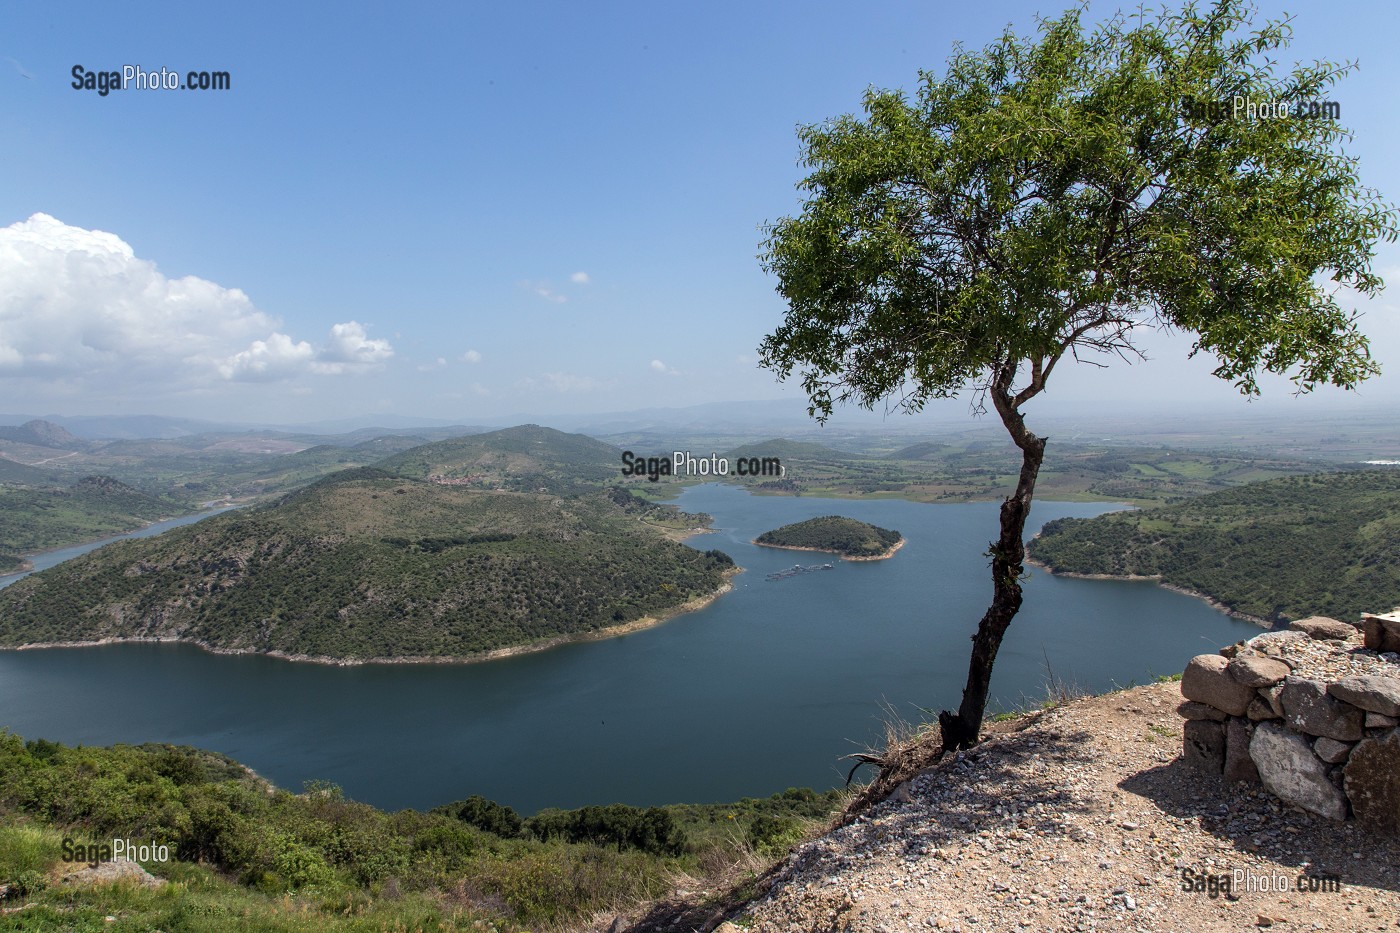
x,y
1255,670
1208,681
1373,781
1203,745
1290,770
1307,708
1374,693
1382,631
1190,709
1323,628
118,871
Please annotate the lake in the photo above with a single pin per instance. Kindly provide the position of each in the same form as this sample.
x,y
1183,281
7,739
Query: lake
x,y
763,690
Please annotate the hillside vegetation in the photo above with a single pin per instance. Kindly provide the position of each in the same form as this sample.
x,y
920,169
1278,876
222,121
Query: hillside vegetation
x,y
1326,544
363,565
41,518
528,458
247,856
834,533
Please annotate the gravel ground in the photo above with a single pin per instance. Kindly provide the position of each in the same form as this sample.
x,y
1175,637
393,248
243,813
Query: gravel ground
x,y
1084,819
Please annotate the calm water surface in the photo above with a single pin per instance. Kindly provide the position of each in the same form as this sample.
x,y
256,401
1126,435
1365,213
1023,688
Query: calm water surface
x,y
763,690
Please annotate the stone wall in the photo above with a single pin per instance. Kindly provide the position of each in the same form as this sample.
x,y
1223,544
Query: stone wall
x,y
1311,713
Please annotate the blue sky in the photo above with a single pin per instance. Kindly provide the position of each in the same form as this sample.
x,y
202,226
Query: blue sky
x,y
473,210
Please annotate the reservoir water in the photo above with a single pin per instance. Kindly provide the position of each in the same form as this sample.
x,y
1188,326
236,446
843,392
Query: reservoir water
x,y
763,690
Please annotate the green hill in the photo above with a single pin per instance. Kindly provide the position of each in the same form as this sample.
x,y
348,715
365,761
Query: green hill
x,y
364,565
927,450
37,519
1327,544
844,536
527,458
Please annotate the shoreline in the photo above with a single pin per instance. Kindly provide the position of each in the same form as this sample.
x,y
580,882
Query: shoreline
x,y
613,631
888,553
25,566
1157,579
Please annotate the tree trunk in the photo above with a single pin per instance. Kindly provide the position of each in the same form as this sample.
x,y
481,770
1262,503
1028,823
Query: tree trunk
x,y
1008,555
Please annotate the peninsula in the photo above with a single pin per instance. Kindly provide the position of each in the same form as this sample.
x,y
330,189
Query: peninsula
x,y
371,565
835,534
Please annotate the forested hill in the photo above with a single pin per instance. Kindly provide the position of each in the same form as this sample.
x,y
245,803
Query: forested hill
x,y
367,565
37,518
527,458
834,533
1326,544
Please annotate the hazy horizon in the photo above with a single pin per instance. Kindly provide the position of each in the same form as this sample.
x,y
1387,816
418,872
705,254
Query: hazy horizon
x,y
484,220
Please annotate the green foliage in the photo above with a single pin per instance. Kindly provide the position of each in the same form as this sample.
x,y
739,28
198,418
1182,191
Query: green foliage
x,y
844,536
317,861
40,518
1053,193
1327,544
528,458
652,830
369,565
486,815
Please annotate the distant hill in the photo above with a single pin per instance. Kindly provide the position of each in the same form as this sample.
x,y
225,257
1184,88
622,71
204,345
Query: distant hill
x,y
40,518
834,533
363,564
24,475
42,434
525,458
1326,544
928,450
785,449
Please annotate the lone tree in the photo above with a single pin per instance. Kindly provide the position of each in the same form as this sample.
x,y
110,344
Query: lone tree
x,y
1049,197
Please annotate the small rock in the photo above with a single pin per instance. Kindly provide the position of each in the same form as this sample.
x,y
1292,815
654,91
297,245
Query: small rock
x,y
1332,751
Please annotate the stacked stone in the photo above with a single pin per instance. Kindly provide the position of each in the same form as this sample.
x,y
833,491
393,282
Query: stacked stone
x,y
1317,728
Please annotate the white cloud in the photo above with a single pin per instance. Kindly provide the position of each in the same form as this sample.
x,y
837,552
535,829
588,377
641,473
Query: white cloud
x,y
546,291
268,360
580,278
438,363
471,356
78,305
349,350
661,367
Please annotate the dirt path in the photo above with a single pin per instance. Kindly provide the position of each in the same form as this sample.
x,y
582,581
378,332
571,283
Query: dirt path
x,y
1084,820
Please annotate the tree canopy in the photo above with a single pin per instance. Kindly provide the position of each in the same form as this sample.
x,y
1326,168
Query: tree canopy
x,y
1052,196
1049,197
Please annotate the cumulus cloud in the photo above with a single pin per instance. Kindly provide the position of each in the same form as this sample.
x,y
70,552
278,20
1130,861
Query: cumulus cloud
x,y
471,356
660,367
78,304
349,349
580,278
268,360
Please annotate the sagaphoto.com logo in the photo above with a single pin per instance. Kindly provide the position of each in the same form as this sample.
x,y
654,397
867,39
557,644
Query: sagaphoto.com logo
x,y
134,77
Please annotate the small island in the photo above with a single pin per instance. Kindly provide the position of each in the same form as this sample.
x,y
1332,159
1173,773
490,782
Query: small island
x,y
851,539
